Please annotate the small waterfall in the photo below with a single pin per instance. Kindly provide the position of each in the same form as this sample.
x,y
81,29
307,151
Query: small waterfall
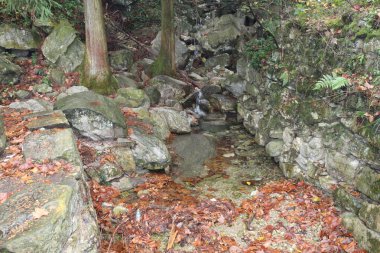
x,y
197,110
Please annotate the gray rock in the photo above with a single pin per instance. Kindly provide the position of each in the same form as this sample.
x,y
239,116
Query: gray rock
x,y
23,94
370,215
160,127
346,201
124,80
72,90
169,88
52,144
346,167
56,217
367,239
154,95
209,90
223,103
35,105
150,152
181,50
124,158
175,120
236,85
43,88
214,126
274,148
123,184
368,182
219,32
193,150
3,138
9,72
55,119
121,59
93,115
12,37
106,173
222,60
57,76
63,48
132,97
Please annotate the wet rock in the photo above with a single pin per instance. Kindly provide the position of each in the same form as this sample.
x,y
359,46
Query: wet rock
x,y
94,116
121,59
132,97
149,152
52,144
222,60
169,88
13,37
214,126
368,182
177,122
368,239
193,150
63,48
222,103
3,138
72,90
9,72
370,215
35,105
181,50
55,119
274,148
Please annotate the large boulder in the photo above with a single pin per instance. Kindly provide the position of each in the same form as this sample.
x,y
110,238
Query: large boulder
x,y
93,115
121,59
50,215
13,37
132,97
63,48
170,89
175,120
9,72
149,152
181,50
220,34
35,105
52,144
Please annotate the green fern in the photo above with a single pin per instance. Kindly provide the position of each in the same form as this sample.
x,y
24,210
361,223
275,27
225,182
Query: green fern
x,y
332,82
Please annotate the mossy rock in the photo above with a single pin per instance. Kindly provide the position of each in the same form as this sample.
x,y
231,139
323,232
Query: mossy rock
x,y
368,182
13,37
346,201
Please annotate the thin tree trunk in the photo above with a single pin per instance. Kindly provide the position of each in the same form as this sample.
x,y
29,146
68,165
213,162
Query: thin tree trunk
x,y
96,72
165,62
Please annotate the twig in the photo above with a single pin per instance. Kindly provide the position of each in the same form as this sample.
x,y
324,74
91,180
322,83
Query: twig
x,y
113,235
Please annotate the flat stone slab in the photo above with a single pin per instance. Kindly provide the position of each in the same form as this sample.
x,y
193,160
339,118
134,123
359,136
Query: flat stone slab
x,y
55,119
52,144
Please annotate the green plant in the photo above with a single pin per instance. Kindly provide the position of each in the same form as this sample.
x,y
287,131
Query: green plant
x,y
332,82
258,50
36,8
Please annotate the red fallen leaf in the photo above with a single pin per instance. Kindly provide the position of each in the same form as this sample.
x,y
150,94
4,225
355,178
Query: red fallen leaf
x,y
270,228
4,196
357,7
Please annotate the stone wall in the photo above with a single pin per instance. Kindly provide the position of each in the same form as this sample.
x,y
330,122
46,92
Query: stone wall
x,y
314,138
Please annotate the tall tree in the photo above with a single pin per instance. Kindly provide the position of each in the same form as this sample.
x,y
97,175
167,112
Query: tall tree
x,y
165,62
96,70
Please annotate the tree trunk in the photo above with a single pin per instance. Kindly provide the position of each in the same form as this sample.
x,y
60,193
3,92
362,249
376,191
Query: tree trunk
x,y
96,71
165,62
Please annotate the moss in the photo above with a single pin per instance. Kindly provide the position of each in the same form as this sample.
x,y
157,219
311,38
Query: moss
x,y
336,23
104,85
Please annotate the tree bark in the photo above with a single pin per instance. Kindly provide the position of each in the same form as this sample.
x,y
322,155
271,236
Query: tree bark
x,y
96,70
165,63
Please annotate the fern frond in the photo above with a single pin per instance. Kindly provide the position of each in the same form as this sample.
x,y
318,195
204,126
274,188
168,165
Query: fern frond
x,y
332,82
